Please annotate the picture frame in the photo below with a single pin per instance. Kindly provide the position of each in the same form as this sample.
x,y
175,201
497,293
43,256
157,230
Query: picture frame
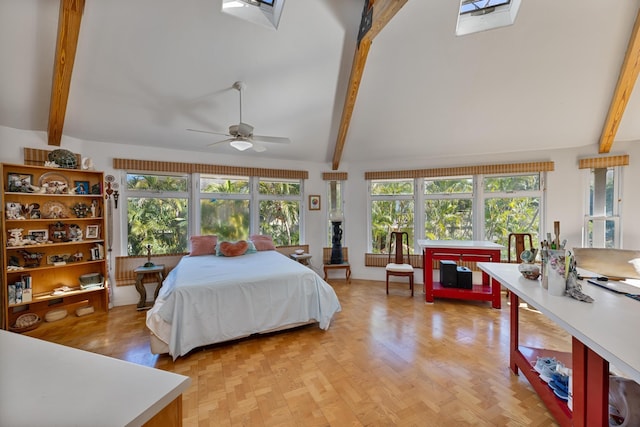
x,y
19,182
92,232
314,202
39,236
59,232
14,210
81,187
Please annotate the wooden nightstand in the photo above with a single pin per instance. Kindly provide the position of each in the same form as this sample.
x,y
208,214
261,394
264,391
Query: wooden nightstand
x,y
142,271
304,258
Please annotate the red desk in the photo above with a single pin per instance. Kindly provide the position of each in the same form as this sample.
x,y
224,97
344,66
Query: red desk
x,y
461,250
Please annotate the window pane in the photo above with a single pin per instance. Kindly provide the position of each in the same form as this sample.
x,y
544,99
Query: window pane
x,y
512,183
601,233
388,216
280,187
280,219
227,219
448,186
137,182
224,184
392,187
511,215
448,219
159,222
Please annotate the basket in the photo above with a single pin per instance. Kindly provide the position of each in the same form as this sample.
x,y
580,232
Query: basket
x,y
26,322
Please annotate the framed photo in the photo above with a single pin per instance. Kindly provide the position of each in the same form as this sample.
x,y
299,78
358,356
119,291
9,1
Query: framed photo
x,y
39,236
81,187
14,210
92,232
59,232
314,203
19,182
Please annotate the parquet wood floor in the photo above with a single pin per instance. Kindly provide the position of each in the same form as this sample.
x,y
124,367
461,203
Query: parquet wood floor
x,y
385,360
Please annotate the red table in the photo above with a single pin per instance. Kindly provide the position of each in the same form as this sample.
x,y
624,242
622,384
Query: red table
x,y
461,250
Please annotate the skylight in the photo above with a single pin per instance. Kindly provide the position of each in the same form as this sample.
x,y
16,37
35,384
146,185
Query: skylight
x,y
480,6
482,15
262,12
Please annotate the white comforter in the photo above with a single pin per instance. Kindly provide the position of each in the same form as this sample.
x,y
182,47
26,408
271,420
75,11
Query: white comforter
x,y
209,299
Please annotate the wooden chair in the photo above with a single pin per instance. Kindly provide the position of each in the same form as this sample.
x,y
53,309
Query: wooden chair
x,y
401,265
326,263
517,241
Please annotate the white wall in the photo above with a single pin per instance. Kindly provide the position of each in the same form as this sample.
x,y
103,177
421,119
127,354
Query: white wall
x,y
564,201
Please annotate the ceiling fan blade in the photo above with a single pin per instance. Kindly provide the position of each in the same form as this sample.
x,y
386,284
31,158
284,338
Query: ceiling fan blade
x,y
271,139
221,142
210,132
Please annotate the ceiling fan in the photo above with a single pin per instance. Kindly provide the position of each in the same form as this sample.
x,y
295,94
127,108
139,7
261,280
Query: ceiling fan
x,y
241,136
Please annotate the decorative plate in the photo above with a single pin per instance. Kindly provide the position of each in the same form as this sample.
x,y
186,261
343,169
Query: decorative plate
x,y
54,183
54,210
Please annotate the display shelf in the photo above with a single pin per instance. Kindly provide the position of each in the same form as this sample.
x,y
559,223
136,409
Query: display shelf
x,y
50,297
60,214
525,358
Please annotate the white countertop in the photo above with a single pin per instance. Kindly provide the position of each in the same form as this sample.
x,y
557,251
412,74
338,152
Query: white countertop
x,y
463,244
609,325
46,384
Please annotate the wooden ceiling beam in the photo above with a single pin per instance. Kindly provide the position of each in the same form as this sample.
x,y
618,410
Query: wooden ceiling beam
x,y
68,32
383,11
626,82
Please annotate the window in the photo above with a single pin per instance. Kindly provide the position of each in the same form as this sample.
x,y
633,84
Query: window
x,y
157,213
511,205
472,207
602,221
335,204
280,202
448,213
161,211
392,209
225,207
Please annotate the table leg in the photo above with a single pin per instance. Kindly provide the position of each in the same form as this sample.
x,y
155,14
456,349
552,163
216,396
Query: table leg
x,y
141,290
514,331
590,380
158,286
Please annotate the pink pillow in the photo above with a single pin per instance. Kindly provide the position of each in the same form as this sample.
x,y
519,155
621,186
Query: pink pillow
x,y
263,243
233,249
203,245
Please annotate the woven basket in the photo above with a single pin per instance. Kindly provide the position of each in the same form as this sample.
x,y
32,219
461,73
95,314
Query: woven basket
x,y
26,322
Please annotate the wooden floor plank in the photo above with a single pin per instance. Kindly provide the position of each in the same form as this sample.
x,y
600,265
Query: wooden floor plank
x,y
386,360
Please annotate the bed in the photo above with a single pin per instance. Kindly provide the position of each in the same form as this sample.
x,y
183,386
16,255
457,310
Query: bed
x,y
210,299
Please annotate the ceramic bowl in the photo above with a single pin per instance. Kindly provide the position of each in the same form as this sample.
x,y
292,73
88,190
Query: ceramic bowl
x,y
299,251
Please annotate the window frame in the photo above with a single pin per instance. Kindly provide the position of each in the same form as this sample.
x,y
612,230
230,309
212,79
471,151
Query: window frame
x,y
478,198
194,195
616,214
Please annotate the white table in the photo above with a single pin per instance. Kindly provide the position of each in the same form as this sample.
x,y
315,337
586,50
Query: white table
x,y
604,332
460,250
47,384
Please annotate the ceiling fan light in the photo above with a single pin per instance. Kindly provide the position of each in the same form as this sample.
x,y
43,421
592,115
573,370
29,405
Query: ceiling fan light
x,y
241,145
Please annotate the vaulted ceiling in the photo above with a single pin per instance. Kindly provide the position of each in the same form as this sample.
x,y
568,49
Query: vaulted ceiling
x,y
147,70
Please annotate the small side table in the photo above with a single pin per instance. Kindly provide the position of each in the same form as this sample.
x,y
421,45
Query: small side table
x,y
303,259
142,271
344,265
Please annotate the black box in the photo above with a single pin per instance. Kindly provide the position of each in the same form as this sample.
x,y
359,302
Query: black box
x,y
448,274
464,277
